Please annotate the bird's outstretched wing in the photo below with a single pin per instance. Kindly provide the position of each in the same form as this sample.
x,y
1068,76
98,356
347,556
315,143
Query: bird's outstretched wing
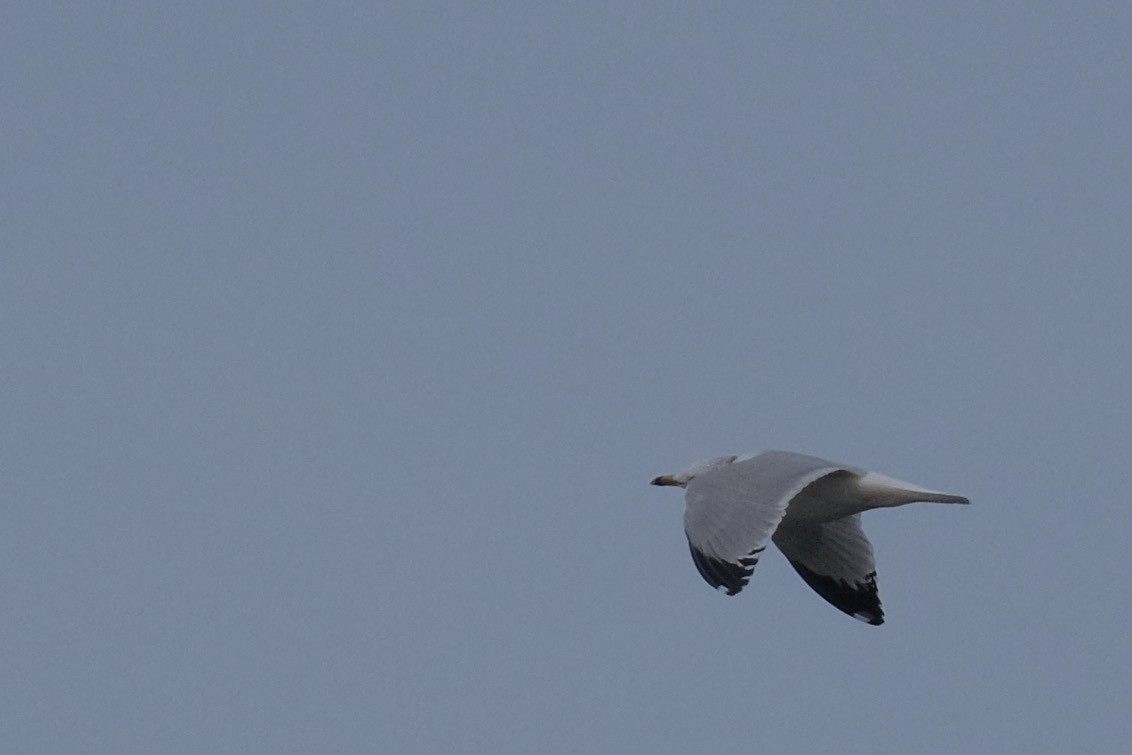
x,y
733,512
836,559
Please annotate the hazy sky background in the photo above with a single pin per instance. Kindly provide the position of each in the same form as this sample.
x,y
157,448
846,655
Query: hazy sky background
x,y
341,340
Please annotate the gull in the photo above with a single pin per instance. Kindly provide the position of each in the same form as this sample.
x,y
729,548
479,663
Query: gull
x,y
811,509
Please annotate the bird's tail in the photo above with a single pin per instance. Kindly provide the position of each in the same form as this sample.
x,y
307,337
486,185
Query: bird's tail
x,y
936,497
897,492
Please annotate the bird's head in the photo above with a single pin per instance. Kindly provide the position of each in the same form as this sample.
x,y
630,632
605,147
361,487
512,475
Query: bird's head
x,y
699,468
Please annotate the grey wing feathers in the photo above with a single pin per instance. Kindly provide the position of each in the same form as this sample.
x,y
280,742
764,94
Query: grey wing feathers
x,y
836,560
732,512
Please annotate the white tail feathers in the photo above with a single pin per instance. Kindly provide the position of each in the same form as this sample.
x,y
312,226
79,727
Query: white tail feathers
x,y
892,492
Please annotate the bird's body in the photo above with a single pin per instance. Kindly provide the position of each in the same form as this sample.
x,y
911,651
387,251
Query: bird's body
x,y
808,506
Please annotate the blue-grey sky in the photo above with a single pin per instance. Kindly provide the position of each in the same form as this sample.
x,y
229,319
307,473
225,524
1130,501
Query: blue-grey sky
x,y
342,339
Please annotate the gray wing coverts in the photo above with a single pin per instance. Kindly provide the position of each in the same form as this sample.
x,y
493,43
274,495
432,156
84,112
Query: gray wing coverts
x,y
734,511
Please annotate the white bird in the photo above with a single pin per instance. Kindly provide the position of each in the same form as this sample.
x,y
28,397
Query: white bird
x,y
811,509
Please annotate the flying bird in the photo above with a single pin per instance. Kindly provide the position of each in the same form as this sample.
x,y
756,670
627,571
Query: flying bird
x,y
811,509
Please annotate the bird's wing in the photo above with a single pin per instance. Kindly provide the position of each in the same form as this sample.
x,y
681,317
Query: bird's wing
x,y
836,559
732,512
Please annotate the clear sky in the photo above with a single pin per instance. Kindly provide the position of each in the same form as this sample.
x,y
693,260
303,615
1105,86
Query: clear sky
x,y
341,340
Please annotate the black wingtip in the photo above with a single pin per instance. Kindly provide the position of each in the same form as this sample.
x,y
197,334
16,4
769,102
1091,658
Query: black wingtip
x,y
859,600
731,576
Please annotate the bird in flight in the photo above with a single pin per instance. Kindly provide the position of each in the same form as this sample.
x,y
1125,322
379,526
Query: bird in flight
x,y
811,509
